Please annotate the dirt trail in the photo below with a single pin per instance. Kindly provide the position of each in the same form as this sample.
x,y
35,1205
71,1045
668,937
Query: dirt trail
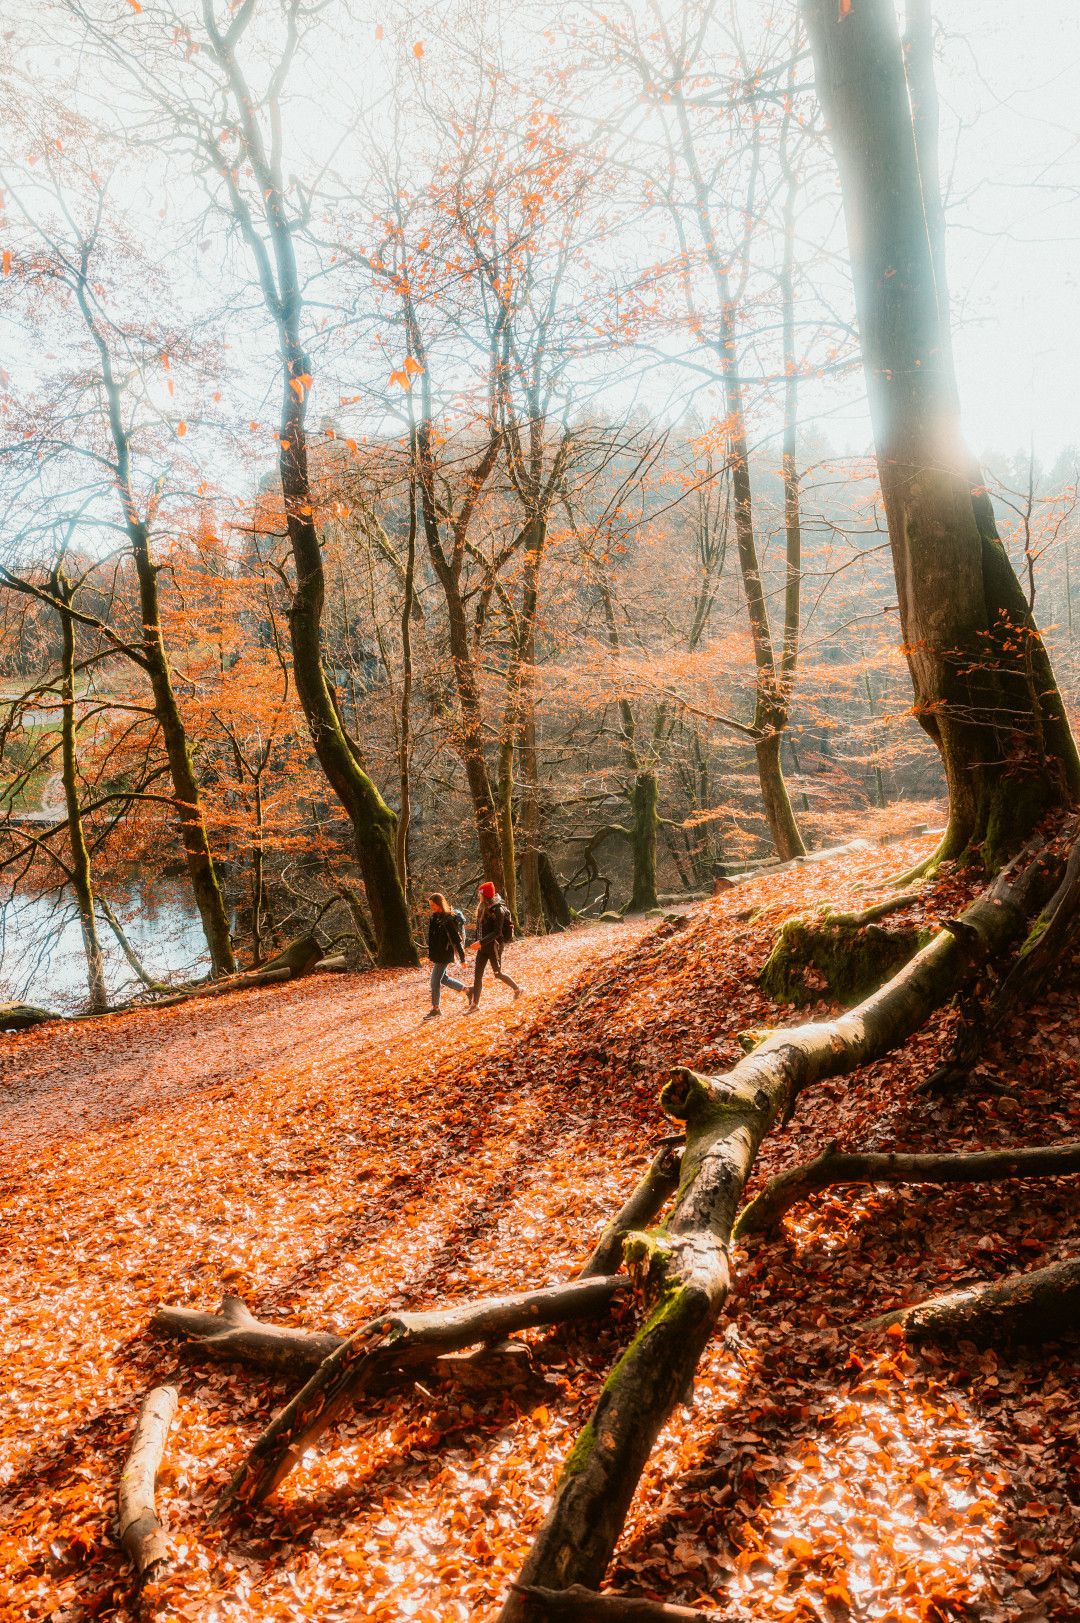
x,y
69,1079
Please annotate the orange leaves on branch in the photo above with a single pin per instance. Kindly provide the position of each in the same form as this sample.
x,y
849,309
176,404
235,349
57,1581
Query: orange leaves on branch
x,y
406,372
6,262
300,384
418,49
181,429
134,4
845,7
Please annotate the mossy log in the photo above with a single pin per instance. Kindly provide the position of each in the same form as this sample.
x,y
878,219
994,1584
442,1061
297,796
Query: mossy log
x,y
1037,1306
139,1525
849,957
22,1016
683,1268
403,1340
835,1166
580,1605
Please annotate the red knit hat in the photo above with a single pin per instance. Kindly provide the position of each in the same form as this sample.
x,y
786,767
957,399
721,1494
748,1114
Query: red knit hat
x,y
487,891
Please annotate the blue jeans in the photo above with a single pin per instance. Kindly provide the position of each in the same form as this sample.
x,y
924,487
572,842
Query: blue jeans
x,y
441,977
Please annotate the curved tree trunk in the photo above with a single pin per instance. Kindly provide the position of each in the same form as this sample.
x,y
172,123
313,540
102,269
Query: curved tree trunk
x,y
273,251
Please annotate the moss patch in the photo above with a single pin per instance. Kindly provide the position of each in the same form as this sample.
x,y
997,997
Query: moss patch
x,y
813,958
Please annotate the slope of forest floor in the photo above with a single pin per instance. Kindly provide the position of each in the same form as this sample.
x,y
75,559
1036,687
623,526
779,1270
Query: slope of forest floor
x,y
320,1152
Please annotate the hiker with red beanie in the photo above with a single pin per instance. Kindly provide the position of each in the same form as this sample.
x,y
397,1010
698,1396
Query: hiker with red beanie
x,y
494,931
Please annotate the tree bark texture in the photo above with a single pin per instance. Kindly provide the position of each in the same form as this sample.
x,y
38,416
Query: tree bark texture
x,y
984,688
1038,1306
141,1532
835,1166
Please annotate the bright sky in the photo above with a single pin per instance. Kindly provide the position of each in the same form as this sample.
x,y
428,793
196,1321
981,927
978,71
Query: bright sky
x,y
1014,246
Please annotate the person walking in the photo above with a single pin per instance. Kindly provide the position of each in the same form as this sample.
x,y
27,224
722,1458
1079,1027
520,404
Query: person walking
x,y
445,942
494,931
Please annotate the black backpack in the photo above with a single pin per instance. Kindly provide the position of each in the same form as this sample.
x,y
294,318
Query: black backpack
x,y
504,923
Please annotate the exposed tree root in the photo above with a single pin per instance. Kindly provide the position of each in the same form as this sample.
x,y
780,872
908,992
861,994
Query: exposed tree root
x,y
683,1268
1037,1306
579,1605
1050,942
235,1336
399,1341
141,1532
834,1166
653,1192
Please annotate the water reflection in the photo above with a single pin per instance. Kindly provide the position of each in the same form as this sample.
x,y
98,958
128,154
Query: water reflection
x,y
41,950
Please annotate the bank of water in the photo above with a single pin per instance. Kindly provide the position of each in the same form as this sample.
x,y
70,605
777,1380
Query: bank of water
x,y
41,951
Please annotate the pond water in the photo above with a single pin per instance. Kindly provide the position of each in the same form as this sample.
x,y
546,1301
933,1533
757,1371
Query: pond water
x,y
41,950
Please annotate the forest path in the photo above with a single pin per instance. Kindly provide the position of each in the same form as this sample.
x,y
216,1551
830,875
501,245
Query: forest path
x,y
83,1077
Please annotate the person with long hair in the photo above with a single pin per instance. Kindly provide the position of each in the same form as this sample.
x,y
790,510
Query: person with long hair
x,y
445,942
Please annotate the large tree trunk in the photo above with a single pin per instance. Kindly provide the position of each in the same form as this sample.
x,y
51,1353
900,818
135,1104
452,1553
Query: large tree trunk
x,y
776,800
984,688
373,823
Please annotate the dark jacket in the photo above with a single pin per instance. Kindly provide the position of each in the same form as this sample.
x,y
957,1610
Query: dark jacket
x,y
489,921
445,938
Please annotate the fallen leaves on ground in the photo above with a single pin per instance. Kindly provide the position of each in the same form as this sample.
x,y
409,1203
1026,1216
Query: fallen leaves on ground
x,y
318,1151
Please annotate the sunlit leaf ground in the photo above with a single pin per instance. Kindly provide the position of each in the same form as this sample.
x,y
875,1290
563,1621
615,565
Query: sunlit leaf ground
x,y
321,1153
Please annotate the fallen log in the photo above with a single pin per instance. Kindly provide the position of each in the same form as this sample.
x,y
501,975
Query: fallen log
x,y
141,1532
683,1268
393,1341
1037,1306
580,1605
834,1166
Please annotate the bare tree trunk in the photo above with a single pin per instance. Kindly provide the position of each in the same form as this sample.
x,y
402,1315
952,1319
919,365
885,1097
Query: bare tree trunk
x,y
984,688
81,880
373,823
